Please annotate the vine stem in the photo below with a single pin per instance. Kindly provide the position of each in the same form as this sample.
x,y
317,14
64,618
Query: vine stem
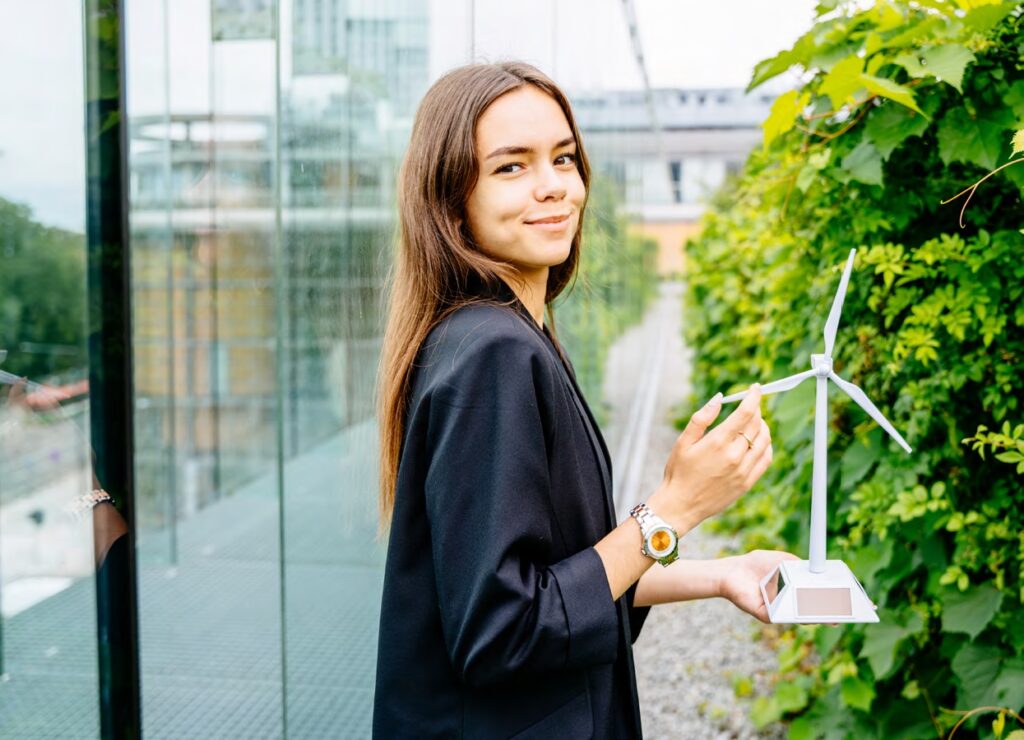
x,y
931,713
968,715
828,137
971,190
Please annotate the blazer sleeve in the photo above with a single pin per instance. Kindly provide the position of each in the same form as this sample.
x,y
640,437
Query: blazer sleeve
x,y
637,614
506,610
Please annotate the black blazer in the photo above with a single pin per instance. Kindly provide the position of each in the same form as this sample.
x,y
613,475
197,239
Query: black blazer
x,y
496,618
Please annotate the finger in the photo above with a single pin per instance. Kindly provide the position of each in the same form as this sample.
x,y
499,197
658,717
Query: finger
x,y
748,437
756,426
762,441
761,465
701,420
740,418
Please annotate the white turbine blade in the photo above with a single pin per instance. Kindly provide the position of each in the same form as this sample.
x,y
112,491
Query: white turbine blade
x,y
862,400
776,386
832,324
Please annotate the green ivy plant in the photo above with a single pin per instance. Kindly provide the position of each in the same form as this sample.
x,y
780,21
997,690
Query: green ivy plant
x,y
902,105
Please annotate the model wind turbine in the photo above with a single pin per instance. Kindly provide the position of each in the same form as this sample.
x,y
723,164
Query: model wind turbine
x,y
820,590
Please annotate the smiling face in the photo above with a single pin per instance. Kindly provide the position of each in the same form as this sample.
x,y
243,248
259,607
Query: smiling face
x,y
525,207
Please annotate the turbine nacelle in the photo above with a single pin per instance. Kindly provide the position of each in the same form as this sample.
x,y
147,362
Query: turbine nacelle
x,y
821,365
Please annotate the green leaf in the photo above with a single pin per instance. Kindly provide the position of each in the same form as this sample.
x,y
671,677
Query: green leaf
x,y
891,90
864,164
964,138
867,561
805,178
802,728
776,65
782,118
946,63
843,81
1008,687
1014,98
890,125
986,17
790,697
764,711
857,694
1017,143
857,462
970,611
986,679
882,640
976,668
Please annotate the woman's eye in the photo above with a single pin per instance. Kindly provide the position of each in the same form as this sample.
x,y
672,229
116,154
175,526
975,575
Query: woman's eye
x,y
505,168
571,157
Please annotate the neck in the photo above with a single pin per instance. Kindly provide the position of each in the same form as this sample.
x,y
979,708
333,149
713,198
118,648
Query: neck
x,y
532,293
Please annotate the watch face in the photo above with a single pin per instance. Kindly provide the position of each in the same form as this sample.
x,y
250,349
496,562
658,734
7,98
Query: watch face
x,y
661,541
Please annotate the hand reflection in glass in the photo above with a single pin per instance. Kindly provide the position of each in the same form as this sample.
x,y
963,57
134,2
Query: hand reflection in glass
x,y
107,523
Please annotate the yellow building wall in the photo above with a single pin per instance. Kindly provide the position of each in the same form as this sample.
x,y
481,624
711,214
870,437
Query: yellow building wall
x,y
671,236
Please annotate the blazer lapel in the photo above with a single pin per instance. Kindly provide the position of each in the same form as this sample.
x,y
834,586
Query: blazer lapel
x,y
600,451
504,293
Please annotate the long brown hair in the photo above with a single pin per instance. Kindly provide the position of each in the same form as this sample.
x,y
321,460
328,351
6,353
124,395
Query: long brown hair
x,y
438,267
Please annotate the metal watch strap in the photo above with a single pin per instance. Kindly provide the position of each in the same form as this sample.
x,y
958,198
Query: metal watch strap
x,y
644,517
648,522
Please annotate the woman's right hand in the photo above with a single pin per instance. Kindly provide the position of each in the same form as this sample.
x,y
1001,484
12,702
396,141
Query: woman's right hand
x,y
705,473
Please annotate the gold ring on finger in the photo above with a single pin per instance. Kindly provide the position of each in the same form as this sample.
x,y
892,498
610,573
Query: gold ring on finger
x,y
750,442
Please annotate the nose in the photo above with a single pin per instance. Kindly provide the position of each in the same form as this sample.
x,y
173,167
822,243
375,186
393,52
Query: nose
x,y
549,184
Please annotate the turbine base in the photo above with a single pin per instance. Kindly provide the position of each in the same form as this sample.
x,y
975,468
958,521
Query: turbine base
x,y
835,595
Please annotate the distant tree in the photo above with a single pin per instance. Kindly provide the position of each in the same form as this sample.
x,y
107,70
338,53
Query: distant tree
x,y
42,294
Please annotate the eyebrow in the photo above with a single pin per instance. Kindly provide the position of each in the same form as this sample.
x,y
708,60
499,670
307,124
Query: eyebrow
x,y
504,150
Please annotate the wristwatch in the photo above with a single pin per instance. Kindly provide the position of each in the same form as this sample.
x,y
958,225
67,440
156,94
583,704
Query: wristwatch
x,y
661,543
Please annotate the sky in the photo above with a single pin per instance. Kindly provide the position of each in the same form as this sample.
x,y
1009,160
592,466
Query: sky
x,y
711,44
582,44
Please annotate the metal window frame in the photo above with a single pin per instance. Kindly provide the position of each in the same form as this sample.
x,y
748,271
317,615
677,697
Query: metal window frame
x,y
110,359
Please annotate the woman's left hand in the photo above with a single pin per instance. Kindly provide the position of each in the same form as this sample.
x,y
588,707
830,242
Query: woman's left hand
x,y
741,576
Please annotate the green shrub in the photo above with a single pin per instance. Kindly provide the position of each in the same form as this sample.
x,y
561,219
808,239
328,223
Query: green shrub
x,y
42,295
903,106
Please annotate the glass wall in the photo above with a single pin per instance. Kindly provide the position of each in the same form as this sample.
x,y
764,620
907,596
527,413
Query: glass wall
x,y
264,142
48,647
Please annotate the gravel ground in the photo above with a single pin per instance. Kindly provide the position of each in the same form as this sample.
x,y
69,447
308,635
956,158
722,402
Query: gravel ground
x,y
708,643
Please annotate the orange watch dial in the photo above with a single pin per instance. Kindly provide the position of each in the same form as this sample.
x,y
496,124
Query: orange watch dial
x,y
660,541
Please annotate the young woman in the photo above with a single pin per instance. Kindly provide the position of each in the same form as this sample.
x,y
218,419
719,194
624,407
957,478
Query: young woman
x,y
511,598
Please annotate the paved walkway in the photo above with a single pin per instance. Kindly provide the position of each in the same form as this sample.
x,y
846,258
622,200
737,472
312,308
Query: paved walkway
x,y
688,654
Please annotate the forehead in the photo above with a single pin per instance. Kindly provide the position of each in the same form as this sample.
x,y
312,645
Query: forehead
x,y
526,116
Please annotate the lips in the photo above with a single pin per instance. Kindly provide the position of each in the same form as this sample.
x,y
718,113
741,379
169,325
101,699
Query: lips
x,y
550,219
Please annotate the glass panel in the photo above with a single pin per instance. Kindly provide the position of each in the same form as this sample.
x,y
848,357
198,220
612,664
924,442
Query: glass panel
x,y
202,110
48,660
356,72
